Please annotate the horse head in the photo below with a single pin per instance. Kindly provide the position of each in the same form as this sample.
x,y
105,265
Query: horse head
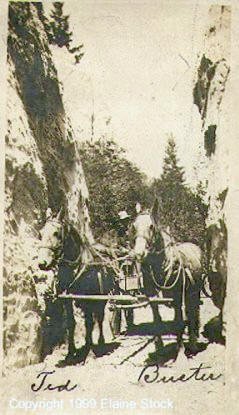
x,y
144,230
149,234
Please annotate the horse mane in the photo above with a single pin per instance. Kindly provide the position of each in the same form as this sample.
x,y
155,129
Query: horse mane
x,y
185,253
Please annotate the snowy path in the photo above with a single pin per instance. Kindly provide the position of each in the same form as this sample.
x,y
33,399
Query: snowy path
x,y
105,385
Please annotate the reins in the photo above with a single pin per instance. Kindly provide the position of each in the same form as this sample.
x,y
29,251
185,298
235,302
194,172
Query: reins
x,y
104,262
167,287
170,287
79,267
182,271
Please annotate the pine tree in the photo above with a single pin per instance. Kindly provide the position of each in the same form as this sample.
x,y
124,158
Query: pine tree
x,y
180,208
60,32
172,172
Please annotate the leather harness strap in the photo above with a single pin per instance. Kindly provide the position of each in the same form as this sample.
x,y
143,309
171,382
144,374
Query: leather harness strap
x,y
99,276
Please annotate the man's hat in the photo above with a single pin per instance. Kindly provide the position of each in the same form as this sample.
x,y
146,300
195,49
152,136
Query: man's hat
x,y
123,214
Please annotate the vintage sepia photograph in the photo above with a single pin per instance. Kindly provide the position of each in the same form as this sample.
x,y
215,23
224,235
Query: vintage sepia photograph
x,y
116,207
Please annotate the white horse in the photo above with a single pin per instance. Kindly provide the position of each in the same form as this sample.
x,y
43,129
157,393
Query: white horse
x,y
175,269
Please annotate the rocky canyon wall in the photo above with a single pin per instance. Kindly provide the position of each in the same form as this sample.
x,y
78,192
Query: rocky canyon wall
x,y
211,96
43,174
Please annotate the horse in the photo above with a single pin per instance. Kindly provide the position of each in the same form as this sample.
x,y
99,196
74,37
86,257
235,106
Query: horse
x,y
170,268
63,249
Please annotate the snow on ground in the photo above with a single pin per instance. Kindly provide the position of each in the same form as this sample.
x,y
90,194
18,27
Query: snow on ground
x,y
105,377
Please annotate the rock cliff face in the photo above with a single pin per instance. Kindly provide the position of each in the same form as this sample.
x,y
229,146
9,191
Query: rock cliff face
x,y
211,97
43,173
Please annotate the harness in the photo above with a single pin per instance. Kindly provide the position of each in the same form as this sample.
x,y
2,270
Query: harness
x,y
79,267
171,286
104,263
182,271
100,281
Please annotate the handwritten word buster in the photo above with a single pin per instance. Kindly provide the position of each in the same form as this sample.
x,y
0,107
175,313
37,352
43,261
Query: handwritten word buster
x,y
151,374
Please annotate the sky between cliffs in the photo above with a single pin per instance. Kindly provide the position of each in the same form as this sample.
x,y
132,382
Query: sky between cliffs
x,y
137,76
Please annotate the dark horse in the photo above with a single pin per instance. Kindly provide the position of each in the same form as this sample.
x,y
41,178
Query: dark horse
x,y
216,267
63,249
174,269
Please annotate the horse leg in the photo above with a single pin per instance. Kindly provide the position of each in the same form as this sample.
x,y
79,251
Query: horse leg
x,y
129,317
178,318
70,327
179,325
150,290
89,324
99,314
192,311
156,315
223,330
116,322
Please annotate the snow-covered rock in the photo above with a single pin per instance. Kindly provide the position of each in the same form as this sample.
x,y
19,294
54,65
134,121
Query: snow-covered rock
x,y
43,173
211,96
